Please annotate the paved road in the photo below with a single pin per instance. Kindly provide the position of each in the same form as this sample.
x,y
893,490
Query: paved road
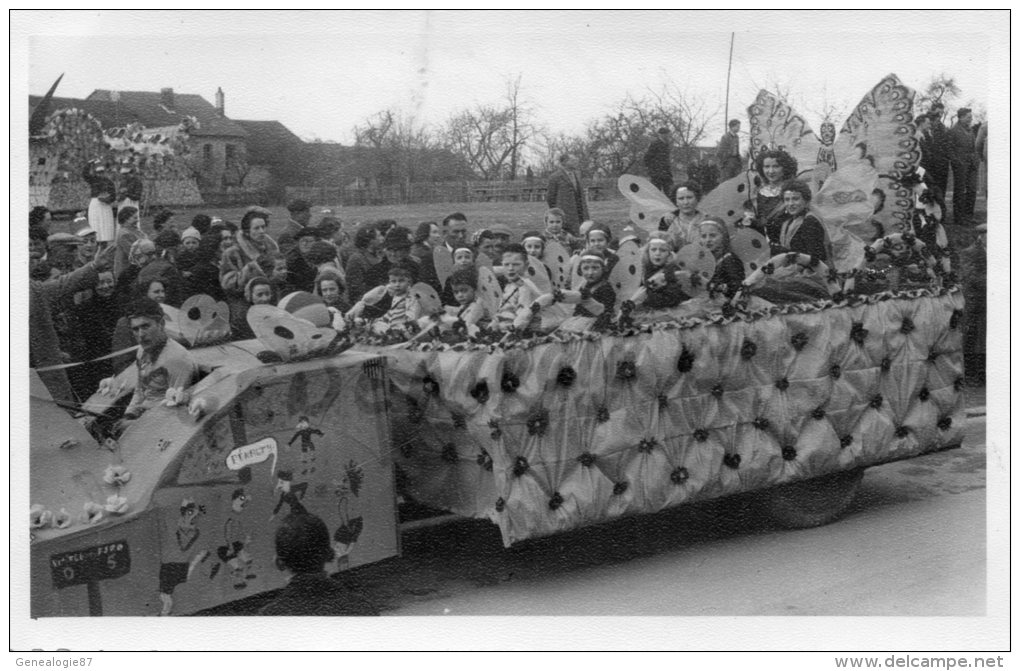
x,y
913,543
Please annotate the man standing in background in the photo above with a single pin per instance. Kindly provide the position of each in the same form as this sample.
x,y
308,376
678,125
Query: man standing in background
x,y
963,159
567,193
728,153
657,161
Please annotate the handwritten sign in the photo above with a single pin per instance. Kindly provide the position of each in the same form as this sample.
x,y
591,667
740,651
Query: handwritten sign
x,y
81,567
253,453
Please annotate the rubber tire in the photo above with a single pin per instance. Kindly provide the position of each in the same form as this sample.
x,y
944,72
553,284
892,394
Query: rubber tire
x,y
814,502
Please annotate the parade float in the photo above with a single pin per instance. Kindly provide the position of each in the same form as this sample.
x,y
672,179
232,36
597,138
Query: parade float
x,y
539,432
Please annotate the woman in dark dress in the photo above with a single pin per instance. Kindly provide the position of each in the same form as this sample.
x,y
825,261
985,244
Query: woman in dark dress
x,y
774,167
797,230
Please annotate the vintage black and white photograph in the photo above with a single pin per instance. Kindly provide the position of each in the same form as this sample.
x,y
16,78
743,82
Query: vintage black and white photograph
x,y
509,330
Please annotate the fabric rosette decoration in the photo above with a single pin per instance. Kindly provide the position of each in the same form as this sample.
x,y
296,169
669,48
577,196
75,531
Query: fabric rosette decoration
x,y
62,519
117,505
116,475
39,517
92,513
176,396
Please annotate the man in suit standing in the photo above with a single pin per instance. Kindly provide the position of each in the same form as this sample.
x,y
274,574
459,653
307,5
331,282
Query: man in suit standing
x,y
728,153
935,151
660,172
963,158
566,192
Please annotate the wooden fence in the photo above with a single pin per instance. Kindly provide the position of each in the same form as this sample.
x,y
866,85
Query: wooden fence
x,y
440,192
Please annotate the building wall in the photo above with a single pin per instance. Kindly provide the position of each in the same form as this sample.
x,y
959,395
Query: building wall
x,y
217,160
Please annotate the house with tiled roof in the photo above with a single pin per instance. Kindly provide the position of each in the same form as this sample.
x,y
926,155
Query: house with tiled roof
x,y
276,157
218,144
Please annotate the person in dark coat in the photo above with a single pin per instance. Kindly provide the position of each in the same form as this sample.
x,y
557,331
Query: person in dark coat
x,y
728,153
935,150
797,230
303,549
963,158
300,270
657,162
44,346
300,215
567,193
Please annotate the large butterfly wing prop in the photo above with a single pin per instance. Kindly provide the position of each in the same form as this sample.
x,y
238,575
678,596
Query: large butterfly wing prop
x,y
557,258
443,261
845,205
489,291
288,336
881,131
647,204
727,200
697,266
539,274
774,124
751,248
625,277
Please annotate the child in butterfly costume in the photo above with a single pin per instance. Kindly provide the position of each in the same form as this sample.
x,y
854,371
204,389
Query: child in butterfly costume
x,y
470,315
597,296
518,294
664,291
389,309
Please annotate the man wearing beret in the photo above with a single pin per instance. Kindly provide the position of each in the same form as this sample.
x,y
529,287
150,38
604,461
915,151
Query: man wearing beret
x,y
300,215
963,159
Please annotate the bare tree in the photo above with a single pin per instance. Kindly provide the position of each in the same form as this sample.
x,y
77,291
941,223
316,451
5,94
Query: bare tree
x,y
492,138
403,144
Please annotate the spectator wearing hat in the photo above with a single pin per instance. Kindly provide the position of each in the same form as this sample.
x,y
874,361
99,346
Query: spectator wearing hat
x,y
657,162
89,244
164,267
300,214
300,270
44,347
963,159
303,549
190,239
727,155
127,234
103,193
396,251
201,223
367,248
566,192
502,235
62,252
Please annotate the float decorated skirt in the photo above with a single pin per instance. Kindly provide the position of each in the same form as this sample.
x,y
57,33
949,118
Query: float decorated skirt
x,y
567,430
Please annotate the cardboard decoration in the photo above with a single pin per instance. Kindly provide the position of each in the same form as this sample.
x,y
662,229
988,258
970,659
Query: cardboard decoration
x,y
443,261
751,247
557,259
203,320
489,291
625,277
289,336
648,204
539,274
171,322
427,298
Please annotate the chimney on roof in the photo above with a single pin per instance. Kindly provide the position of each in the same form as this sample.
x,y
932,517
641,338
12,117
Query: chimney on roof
x,y
167,98
219,102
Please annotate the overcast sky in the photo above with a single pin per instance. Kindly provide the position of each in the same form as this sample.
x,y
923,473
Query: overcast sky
x,y
322,73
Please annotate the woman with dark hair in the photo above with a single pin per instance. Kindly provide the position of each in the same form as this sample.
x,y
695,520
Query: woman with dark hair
x,y
94,320
729,271
796,229
330,287
239,263
253,240
368,240
681,226
774,167
153,289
